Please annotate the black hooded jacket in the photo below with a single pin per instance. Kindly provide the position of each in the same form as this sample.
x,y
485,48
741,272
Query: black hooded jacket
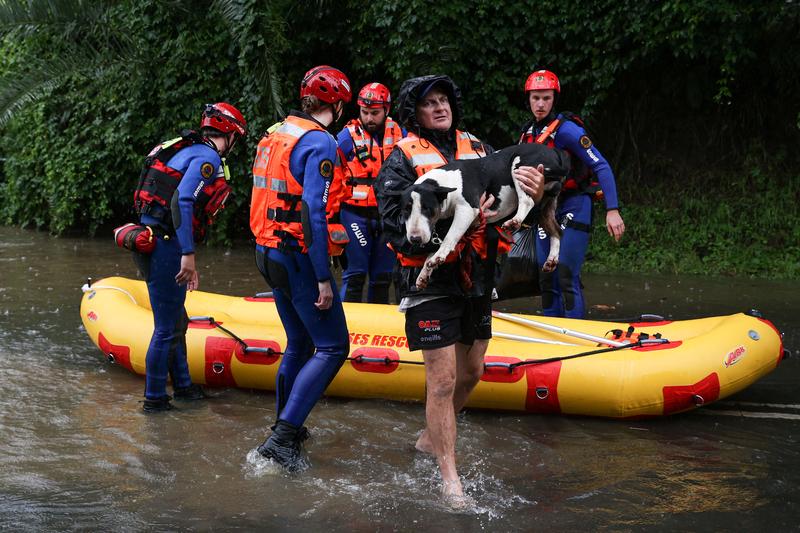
x,y
397,173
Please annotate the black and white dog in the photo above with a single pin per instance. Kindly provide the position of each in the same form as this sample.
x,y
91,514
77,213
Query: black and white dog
x,y
455,190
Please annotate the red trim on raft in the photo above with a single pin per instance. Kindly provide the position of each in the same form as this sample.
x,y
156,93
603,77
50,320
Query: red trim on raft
x,y
219,352
780,348
650,324
254,299
683,397
543,388
121,353
202,325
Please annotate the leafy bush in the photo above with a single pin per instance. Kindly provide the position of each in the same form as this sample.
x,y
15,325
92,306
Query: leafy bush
x,y
694,103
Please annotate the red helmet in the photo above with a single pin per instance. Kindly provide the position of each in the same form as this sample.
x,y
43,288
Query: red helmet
x,y
224,117
326,83
374,95
542,80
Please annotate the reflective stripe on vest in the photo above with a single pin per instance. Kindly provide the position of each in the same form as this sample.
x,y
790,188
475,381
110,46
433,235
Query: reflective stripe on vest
x,y
429,159
424,156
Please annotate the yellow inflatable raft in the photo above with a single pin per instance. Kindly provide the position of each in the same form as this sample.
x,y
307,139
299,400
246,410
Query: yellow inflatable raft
x,y
533,364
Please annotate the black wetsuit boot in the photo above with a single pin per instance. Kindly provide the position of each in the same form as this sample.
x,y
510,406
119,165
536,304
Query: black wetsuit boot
x,y
157,405
190,393
283,446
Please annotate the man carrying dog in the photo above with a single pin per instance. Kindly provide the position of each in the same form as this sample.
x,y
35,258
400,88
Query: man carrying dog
x,y
450,319
366,142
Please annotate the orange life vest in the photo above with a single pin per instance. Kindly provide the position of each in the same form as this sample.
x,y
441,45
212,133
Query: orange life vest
x,y
367,160
581,178
275,209
424,156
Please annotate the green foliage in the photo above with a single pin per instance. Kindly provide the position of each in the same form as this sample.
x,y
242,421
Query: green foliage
x,y
83,146
693,102
746,228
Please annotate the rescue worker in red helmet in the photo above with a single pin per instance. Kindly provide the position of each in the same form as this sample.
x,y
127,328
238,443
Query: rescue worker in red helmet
x,y
366,142
292,173
182,186
450,319
590,178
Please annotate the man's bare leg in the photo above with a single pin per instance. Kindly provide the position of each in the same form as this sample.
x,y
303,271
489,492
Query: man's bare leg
x,y
469,369
440,379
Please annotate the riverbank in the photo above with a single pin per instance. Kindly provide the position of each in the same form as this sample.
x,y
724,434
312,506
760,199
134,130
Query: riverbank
x,y
745,225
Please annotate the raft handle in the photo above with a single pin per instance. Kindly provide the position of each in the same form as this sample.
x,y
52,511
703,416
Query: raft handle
x,y
111,358
218,368
542,393
698,400
363,359
259,349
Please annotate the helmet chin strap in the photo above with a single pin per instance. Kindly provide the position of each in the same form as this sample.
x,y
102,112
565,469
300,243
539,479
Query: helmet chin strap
x,y
232,138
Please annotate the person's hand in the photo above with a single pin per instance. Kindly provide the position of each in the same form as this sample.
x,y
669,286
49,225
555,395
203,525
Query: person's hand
x,y
532,181
194,283
187,272
325,299
614,224
487,200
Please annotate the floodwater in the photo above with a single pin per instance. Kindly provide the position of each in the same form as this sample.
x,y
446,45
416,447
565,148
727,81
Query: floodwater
x,y
76,452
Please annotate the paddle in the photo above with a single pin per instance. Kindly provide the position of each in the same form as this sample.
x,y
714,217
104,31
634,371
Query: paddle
x,y
523,338
557,329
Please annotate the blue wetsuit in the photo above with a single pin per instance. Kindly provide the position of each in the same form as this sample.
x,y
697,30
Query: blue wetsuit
x,y
562,294
367,252
166,354
317,342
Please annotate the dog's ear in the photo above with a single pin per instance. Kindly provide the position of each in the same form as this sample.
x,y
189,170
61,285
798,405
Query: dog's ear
x,y
442,192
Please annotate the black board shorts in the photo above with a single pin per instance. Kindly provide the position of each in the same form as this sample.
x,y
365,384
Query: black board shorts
x,y
445,321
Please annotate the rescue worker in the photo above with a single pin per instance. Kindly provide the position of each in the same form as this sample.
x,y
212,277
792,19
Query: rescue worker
x,y
366,142
449,320
183,184
292,173
562,293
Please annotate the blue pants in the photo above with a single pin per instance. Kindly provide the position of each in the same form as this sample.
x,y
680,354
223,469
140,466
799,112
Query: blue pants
x,y
562,294
367,254
166,354
317,342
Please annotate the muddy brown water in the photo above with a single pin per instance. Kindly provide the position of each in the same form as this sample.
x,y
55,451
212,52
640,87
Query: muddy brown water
x,y
76,453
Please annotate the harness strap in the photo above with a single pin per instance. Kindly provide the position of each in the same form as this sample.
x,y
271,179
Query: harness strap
x,y
282,215
360,181
285,245
580,226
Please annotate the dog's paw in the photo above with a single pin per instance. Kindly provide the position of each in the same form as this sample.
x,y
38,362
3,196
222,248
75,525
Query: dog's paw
x,y
434,262
512,225
422,281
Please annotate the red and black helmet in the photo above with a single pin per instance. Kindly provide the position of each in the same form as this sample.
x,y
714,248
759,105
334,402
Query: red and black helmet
x,y
225,118
375,95
328,84
542,80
